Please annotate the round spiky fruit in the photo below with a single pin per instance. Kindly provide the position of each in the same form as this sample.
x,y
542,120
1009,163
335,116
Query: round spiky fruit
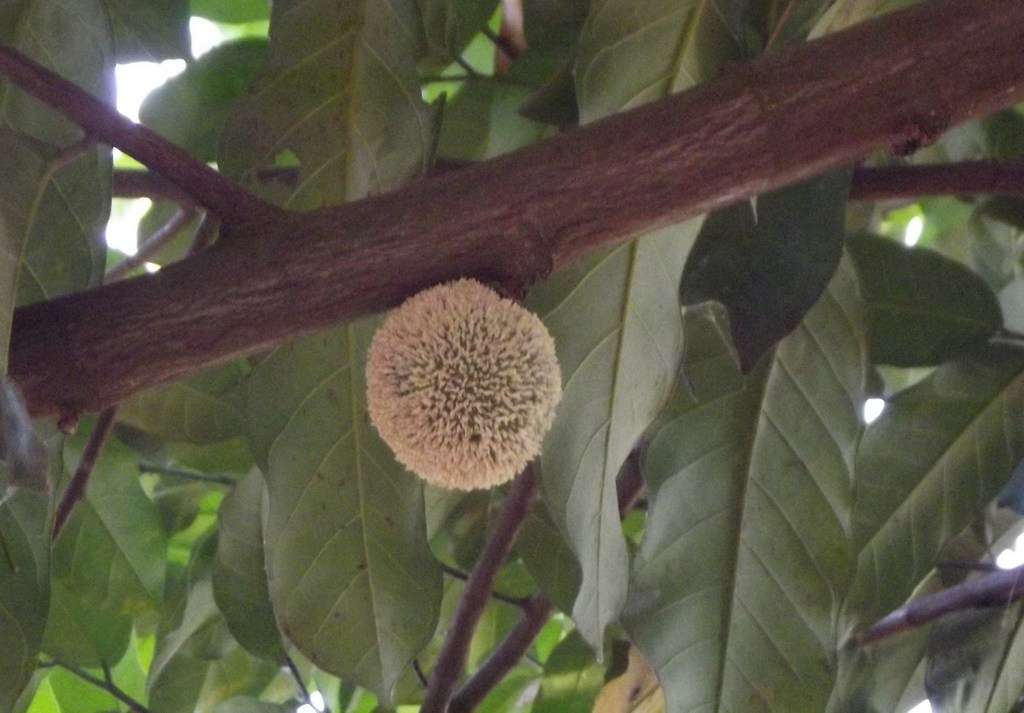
x,y
463,384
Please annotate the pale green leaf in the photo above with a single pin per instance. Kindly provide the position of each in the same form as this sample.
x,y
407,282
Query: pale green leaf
x,y
737,586
24,589
149,30
572,679
352,580
231,10
239,572
450,25
618,335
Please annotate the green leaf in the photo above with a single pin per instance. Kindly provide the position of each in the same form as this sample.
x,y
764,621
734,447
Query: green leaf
x,y
572,679
549,559
239,573
923,308
207,408
482,121
64,692
192,109
150,30
631,52
735,592
198,665
996,244
341,94
232,10
938,454
22,451
451,24
769,263
108,564
24,589
246,704
352,580
618,336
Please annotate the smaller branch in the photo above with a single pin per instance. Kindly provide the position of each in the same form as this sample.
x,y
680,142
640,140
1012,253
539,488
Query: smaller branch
x,y
107,685
186,474
966,178
204,234
76,488
536,612
452,658
156,242
995,589
459,574
501,42
299,683
781,24
104,123
419,673
145,184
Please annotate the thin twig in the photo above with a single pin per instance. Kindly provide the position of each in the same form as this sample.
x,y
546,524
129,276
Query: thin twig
x,y
76,488
501,42
104,123
107,686
459,574
781,24
419,673
470,70
154,244
964,178
536,612
994,589
452,658
299,683
186,474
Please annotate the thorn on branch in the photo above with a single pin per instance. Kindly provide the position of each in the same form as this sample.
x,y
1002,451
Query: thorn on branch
x,y
76,488
989,590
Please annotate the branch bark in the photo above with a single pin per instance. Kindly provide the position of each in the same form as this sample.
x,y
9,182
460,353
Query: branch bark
x,y
105,124
452,658
995,589
795,113
80,480
966,178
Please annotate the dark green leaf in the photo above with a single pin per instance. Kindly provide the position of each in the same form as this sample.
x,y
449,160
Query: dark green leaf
x,y
549,559
149,30
451,24
769,263
482,122
1004,134
996,245
24,589
572,679
735,590
923,308
192,109
239,572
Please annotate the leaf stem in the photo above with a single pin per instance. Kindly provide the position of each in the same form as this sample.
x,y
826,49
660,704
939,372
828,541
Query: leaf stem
x,y
76,488
506,598
107,685
104,123
452,658
145,467
502,43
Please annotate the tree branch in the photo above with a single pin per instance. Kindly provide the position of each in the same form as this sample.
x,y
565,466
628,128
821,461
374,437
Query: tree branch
x,y
989,590
80,480
503,659
967,178
104,123
452,658
145,184
792,114
157,241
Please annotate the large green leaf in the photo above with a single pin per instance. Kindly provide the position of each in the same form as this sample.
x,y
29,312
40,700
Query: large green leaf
x,y
451,24
615,320
572,679
108,565
24,589
207,408
736,589
239,572
769,263
631,52
922,308
191,109
232,10
341,94
352,580
149,30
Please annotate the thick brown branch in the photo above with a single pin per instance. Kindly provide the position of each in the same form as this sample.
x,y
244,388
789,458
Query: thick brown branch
x,y
80,480
145,184
452,658
967,178
503,659
989,590
104,123
793,114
